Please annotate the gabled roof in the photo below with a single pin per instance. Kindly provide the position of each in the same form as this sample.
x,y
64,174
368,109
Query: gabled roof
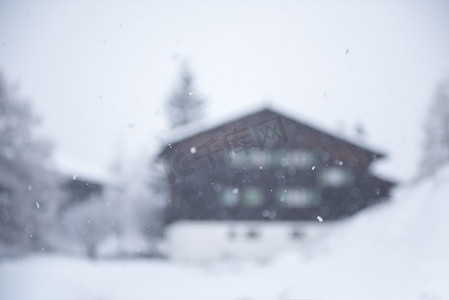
x,y
194,129
79,170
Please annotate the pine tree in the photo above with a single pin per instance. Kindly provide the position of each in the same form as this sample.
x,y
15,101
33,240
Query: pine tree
x,y
184,105
436,143
28,188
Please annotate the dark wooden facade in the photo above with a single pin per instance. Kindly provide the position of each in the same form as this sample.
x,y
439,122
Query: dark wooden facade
x,y
266,166
79,190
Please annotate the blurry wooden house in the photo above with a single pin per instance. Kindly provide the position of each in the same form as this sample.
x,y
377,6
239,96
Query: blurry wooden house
x,y
266,166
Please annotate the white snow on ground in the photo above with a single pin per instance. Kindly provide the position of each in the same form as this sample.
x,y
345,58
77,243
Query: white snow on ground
x,y
398,250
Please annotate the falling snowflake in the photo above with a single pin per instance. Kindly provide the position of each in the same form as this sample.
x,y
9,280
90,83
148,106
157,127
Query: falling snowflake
x,y
338,162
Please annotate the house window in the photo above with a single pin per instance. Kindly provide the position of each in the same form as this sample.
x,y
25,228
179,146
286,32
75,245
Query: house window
x,y
298,197
239,158
228,197
335,177
278,158
232,234
260,158
253,196
253,234
297,234
300,158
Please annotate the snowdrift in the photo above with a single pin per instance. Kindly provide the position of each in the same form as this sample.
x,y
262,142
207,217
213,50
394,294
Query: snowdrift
x,y
398,250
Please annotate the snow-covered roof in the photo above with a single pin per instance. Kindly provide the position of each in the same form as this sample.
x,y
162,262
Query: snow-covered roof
x,y
178,134
77,169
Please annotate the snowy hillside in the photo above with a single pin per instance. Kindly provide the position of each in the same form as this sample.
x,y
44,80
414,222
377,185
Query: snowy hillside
x,y
398,250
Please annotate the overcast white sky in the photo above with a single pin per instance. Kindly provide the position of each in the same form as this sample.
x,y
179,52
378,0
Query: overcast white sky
x,y
98,72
